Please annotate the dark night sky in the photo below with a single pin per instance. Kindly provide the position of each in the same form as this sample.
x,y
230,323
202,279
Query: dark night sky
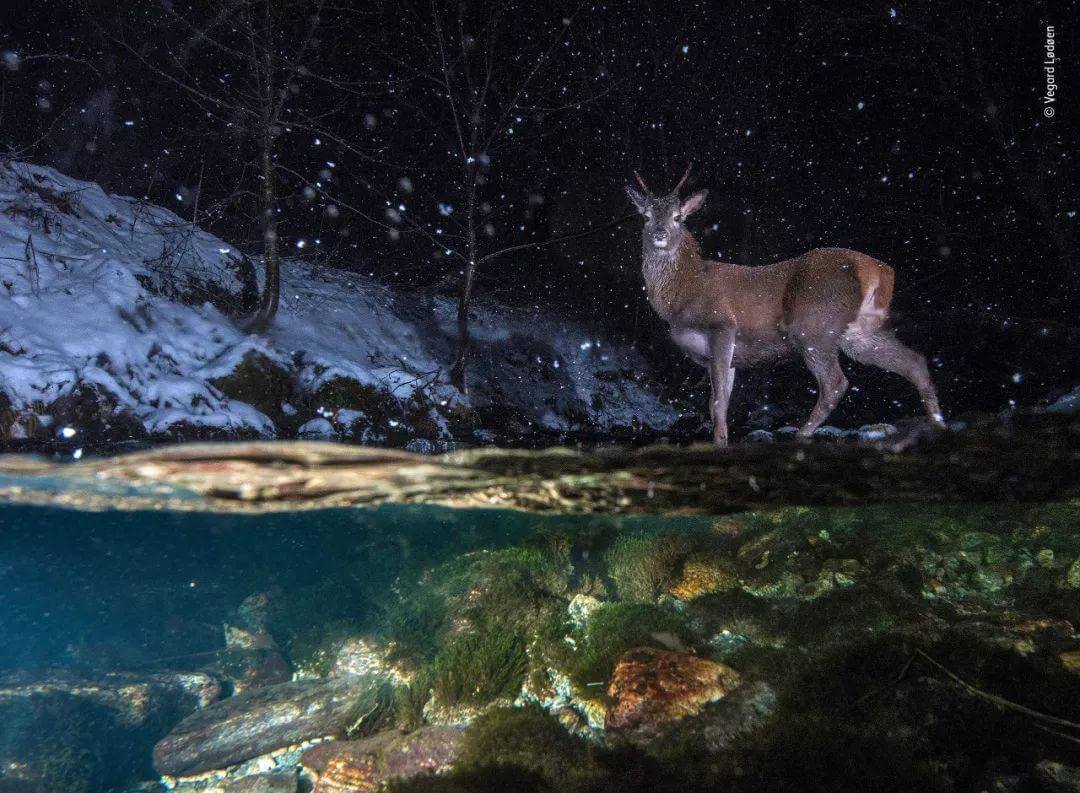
x,y
912,131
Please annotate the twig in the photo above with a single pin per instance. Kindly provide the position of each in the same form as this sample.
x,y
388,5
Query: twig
x,y
1001,702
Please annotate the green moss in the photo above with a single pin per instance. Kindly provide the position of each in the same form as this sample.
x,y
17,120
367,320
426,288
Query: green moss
x,y
409,700
642,566
479,668
72,745
615,628
414,623
510,588
378,406
259,382
488,779
373,710
525,738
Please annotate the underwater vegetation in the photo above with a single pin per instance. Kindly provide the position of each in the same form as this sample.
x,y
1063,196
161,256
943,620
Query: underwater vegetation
x,y
929,648
479,668
615,628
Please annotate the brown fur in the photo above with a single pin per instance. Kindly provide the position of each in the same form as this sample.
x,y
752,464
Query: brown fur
x,y
726,315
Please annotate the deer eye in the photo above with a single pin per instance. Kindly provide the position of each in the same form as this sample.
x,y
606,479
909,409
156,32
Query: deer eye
x,y
677,217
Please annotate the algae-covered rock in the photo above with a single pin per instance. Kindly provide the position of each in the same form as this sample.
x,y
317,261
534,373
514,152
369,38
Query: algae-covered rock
x,y
616,628
473,672
1056,777
64,732
702,574
258,783
581,608
258,721
1072,575
651,687
368,764
525,738
366,655
1070,660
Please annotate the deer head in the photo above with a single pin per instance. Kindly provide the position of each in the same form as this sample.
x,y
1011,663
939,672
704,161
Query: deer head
x,y
664,215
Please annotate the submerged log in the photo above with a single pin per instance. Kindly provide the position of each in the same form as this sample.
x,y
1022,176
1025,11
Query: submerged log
x,y
1026,458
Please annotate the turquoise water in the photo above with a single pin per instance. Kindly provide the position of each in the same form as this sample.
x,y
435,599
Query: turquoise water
x,y
878,648
148,588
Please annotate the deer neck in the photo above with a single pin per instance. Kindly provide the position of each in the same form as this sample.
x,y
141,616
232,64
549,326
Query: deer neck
x,y
668,273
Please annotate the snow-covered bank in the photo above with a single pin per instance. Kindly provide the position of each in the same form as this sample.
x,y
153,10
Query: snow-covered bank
x,y
117,319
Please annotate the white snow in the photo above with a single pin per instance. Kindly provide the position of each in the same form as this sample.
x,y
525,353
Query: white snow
x,y
91,291
1068,404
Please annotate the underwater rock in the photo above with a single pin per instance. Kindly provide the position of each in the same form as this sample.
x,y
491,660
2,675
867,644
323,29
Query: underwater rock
x,y
1071,661
1072,576
721,724
745,710
259,783
651,687
134,698
252,659
256,722
368,764
702,575
61,731
1054,777
460,713
581,606
254,612
362,655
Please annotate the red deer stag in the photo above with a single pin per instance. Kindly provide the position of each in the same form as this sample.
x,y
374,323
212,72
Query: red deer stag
x,y
725,316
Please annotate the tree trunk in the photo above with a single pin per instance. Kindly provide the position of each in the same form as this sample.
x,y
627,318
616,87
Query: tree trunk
x,y
458,373
268,306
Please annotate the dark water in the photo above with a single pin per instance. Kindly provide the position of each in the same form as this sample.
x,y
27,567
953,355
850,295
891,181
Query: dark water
x,y
871,642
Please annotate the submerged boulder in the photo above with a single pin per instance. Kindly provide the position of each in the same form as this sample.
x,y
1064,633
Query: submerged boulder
x,y
258,721
68,731
259,783
651,687
368,764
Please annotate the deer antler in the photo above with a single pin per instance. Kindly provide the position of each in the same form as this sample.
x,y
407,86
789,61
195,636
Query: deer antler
x,y
685,176
641,182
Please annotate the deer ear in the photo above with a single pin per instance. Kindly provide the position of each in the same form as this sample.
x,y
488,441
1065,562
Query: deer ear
x,y
693,203
639,200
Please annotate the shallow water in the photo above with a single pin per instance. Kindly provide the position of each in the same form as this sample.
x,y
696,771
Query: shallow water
x,y
144,589
939,641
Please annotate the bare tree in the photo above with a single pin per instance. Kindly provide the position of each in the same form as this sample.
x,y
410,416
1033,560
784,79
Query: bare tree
x,y
241,64
473,80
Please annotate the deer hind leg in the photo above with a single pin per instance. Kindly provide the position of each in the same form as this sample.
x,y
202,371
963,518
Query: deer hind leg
x,y
824,364
882,349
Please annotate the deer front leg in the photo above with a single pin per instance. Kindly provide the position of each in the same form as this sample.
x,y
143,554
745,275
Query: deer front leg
x,y
722,376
